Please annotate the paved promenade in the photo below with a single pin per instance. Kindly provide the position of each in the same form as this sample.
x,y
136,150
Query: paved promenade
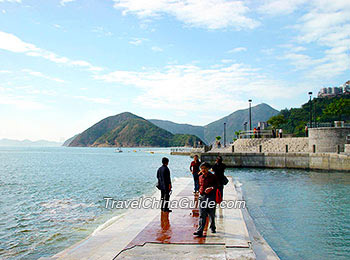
x,y
152,234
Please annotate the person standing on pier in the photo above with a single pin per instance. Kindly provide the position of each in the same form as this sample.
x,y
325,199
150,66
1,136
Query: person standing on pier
x,y
194,168
258,130
306,131
164,184
255,133
219,171
280,133
207,204
273,133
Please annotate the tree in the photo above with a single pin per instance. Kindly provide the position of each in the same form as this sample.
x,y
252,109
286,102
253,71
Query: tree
x,y
237,133
277,121
338,108
218,138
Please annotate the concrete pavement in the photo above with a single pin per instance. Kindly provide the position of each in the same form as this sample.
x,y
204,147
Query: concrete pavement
x,y
152,234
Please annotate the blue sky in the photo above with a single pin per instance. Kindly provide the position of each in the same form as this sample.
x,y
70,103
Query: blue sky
x,y
67,64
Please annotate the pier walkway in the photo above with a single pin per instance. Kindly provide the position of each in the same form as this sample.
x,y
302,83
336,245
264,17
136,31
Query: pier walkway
x,y
152,234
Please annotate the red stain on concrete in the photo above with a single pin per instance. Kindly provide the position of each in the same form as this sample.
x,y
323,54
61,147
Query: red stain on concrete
x,y
176,227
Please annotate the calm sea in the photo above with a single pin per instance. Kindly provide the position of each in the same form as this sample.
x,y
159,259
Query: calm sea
x,y
301,214
51,198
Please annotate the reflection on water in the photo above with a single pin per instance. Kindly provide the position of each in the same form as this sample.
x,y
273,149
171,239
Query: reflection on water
x,y
302,214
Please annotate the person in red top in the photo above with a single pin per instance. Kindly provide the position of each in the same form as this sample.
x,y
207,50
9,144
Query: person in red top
x,y
194,168
208,184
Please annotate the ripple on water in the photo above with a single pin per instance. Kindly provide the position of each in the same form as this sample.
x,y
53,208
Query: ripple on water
x,y
53,197
302,214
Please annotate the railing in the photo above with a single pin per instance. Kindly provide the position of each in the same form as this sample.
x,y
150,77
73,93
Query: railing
x,y
328,124
181,150
257,134
319,124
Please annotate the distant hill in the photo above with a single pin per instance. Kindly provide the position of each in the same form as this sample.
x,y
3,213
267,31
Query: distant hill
x,y
234,122
28,143
179,128
68,141
129,130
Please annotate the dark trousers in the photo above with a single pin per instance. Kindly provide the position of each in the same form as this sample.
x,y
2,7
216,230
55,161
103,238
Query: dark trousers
x,y
196,181
165,196
221,189
206,211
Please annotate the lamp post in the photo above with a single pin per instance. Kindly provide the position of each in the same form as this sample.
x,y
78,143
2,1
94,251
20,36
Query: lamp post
x,y
310,104
250,114
224,134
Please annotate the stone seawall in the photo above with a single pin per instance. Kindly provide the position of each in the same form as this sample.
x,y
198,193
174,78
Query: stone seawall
x,y
328,139
272,145
321,161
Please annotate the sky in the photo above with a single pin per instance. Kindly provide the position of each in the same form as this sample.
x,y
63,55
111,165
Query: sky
x,y
66,64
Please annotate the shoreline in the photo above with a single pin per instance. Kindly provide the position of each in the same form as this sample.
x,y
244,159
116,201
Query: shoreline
x,y
261,248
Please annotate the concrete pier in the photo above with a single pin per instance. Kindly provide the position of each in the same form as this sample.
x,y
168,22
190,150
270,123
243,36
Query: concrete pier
x,y
307,161
152,234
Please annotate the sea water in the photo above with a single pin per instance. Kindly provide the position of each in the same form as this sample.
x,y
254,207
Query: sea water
x,y
302,214
51,198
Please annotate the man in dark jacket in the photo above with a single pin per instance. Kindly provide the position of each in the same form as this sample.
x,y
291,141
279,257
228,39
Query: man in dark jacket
x,y
207,189
194,168
164,184
219,171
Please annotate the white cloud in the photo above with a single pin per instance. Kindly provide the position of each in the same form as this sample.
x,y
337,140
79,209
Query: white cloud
x,y
21,102
324,23
191,88
328,25
301,61
11,1
64,2
211,14
41,75
293,48
156,49
280,7
238,49
12,43
268,51
105,101
226,61
137,41
101,31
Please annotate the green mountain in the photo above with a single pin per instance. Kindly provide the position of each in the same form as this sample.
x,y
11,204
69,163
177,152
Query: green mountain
x,y
68,141
234,122
129,130
179,128
324,110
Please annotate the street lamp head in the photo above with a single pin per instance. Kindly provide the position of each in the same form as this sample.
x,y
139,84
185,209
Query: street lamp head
x,y
249,100
310,93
